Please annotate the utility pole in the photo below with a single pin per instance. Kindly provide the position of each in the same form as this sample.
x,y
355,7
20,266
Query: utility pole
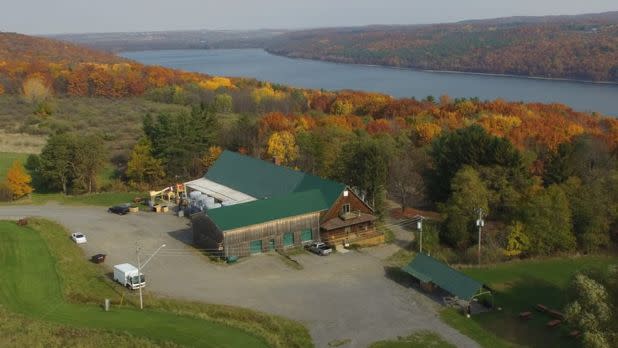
x,y
419,226
480,223
139,271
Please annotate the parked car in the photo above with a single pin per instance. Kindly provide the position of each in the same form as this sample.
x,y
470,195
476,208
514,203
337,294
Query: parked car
x,y
78,238
319,248
98,258
121,209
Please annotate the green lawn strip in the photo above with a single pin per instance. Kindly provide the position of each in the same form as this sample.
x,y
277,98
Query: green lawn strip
x,y
21,331
30,286
105,199
518,287
99,199
473,329
6,160
421,339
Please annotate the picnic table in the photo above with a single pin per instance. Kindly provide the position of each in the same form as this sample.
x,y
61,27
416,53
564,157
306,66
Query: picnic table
x,y
554,313
553,323
525,315
541,308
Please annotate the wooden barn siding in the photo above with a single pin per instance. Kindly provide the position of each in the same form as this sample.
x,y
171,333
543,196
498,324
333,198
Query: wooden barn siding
x,y
237,241
356,204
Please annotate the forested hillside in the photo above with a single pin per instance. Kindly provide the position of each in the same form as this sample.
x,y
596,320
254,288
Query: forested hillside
x,y
545,175
30,49
577,47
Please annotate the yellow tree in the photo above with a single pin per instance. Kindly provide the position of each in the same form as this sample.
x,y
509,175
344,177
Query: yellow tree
x,y
18,180
211,156
35,91
142,167
282,146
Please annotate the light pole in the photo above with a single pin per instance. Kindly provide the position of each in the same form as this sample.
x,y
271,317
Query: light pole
x,y
419,226
139,272
480,223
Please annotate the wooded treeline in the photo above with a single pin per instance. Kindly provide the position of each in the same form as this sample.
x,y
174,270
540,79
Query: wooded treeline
x,y
578,47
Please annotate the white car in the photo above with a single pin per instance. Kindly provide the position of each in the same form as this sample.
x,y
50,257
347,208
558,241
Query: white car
x,y
78,238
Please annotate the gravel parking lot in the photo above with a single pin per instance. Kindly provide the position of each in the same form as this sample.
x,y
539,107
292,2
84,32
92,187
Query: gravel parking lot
x,y
342,296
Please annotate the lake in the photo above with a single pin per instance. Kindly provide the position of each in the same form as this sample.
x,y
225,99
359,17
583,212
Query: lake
x,y
305,73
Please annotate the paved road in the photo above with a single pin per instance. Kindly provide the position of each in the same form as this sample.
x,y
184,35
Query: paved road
x,y
343,296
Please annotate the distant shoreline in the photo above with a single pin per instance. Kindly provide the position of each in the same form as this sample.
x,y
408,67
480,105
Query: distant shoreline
x,y
564,79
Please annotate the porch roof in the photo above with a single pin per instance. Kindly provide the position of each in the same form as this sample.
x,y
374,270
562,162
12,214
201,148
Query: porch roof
x,y
338,222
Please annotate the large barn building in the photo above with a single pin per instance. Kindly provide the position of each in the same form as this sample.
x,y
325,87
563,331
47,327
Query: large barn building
x,y
253,206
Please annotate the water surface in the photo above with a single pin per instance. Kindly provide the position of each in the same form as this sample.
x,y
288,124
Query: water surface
x,y
261,65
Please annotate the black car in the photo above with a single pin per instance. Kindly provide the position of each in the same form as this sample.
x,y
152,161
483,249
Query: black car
x,y
119,209
98,258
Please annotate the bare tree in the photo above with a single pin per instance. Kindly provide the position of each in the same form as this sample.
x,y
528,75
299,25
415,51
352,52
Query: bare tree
x,y
405,176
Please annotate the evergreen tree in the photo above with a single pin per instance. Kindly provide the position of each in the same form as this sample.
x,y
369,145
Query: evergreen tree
x,y
461,210
474,147
548,222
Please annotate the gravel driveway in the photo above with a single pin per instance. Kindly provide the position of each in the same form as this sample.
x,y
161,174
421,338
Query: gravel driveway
x,y
343,296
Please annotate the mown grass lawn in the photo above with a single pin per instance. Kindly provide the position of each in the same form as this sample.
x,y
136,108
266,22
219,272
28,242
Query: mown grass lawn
x,y
6,160
99,199
103,199
34,285
518,287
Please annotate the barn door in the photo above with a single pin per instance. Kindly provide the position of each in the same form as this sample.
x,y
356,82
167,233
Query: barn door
x,y
306,235
288,239
255,247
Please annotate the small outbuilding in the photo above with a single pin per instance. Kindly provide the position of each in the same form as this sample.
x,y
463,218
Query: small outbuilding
x,y
431,273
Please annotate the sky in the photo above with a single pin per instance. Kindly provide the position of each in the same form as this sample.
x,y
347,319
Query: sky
x,y
86,16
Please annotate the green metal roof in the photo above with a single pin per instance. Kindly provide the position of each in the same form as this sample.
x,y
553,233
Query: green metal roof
x,y
262,179
255,212
426,269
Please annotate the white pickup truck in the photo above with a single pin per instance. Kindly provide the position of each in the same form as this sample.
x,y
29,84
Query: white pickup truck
x,y
126,275
319,248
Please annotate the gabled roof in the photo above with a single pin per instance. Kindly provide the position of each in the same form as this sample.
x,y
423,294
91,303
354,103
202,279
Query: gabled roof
x,y
256,212
280,192
428,269
262,179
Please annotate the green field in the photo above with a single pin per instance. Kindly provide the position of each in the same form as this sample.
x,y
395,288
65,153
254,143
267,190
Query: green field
x,y
519,286
45,277
6,160
100,199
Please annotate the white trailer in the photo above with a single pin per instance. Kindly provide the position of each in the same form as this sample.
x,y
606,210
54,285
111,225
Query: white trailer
x,y
126,275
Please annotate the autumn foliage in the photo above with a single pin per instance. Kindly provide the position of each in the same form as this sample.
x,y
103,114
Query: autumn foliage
x,y
18,180
285,110
579,47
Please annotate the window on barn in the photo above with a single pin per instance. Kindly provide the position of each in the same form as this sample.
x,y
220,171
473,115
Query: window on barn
x,y
345,208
